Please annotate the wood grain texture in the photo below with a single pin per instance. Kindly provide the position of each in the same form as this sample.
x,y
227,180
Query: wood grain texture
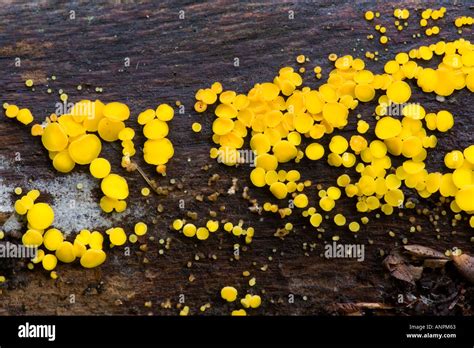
x,y
170,59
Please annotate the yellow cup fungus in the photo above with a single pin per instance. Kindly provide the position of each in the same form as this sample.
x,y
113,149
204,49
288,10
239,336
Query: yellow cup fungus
x,y
40,216
117,236
229,293
100,168
114,186
54,137
85,149
116,111
92,258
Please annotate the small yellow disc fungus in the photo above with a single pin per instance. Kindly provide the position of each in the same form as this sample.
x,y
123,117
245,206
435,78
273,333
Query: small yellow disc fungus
x,y
229,293
63,162
343,180
96,239
156,129
313,102
354,226
212,225
326,203
411,167
79,248
301,200
208,96
279,190
177,224
202,233
164,112
65,252
146,116
40,216
140,228
314,151
109,129
255,301
257,176
49,262
464,198
284,151
108,204
394,197
411,146
369,15
338,144
260,143
116,111
462,178
92,258
444,121
54,137
454,159
72,128
228,226
300,59
216,87
126,134
11,111
238,313
267,162
364,92
100,168
414,111
189,230
387,127
339,220
196,127
85,149
358,143
222,126
53,239
469,154
316,220
399,92
33,195
117,236
24,116
114,186
334,193
158,151
32,238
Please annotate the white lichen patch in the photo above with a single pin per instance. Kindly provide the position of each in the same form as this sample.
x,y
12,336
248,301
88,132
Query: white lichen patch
x,y
6,204
76,209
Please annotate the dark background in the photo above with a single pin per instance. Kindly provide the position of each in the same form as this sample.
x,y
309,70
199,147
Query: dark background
x,y
170,59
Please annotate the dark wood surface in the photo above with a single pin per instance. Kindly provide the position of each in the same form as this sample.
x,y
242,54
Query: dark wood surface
x,y
170,59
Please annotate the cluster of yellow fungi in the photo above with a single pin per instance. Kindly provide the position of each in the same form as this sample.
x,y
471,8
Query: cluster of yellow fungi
x,y
279,115
51,243
76,138
229,293
190,230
